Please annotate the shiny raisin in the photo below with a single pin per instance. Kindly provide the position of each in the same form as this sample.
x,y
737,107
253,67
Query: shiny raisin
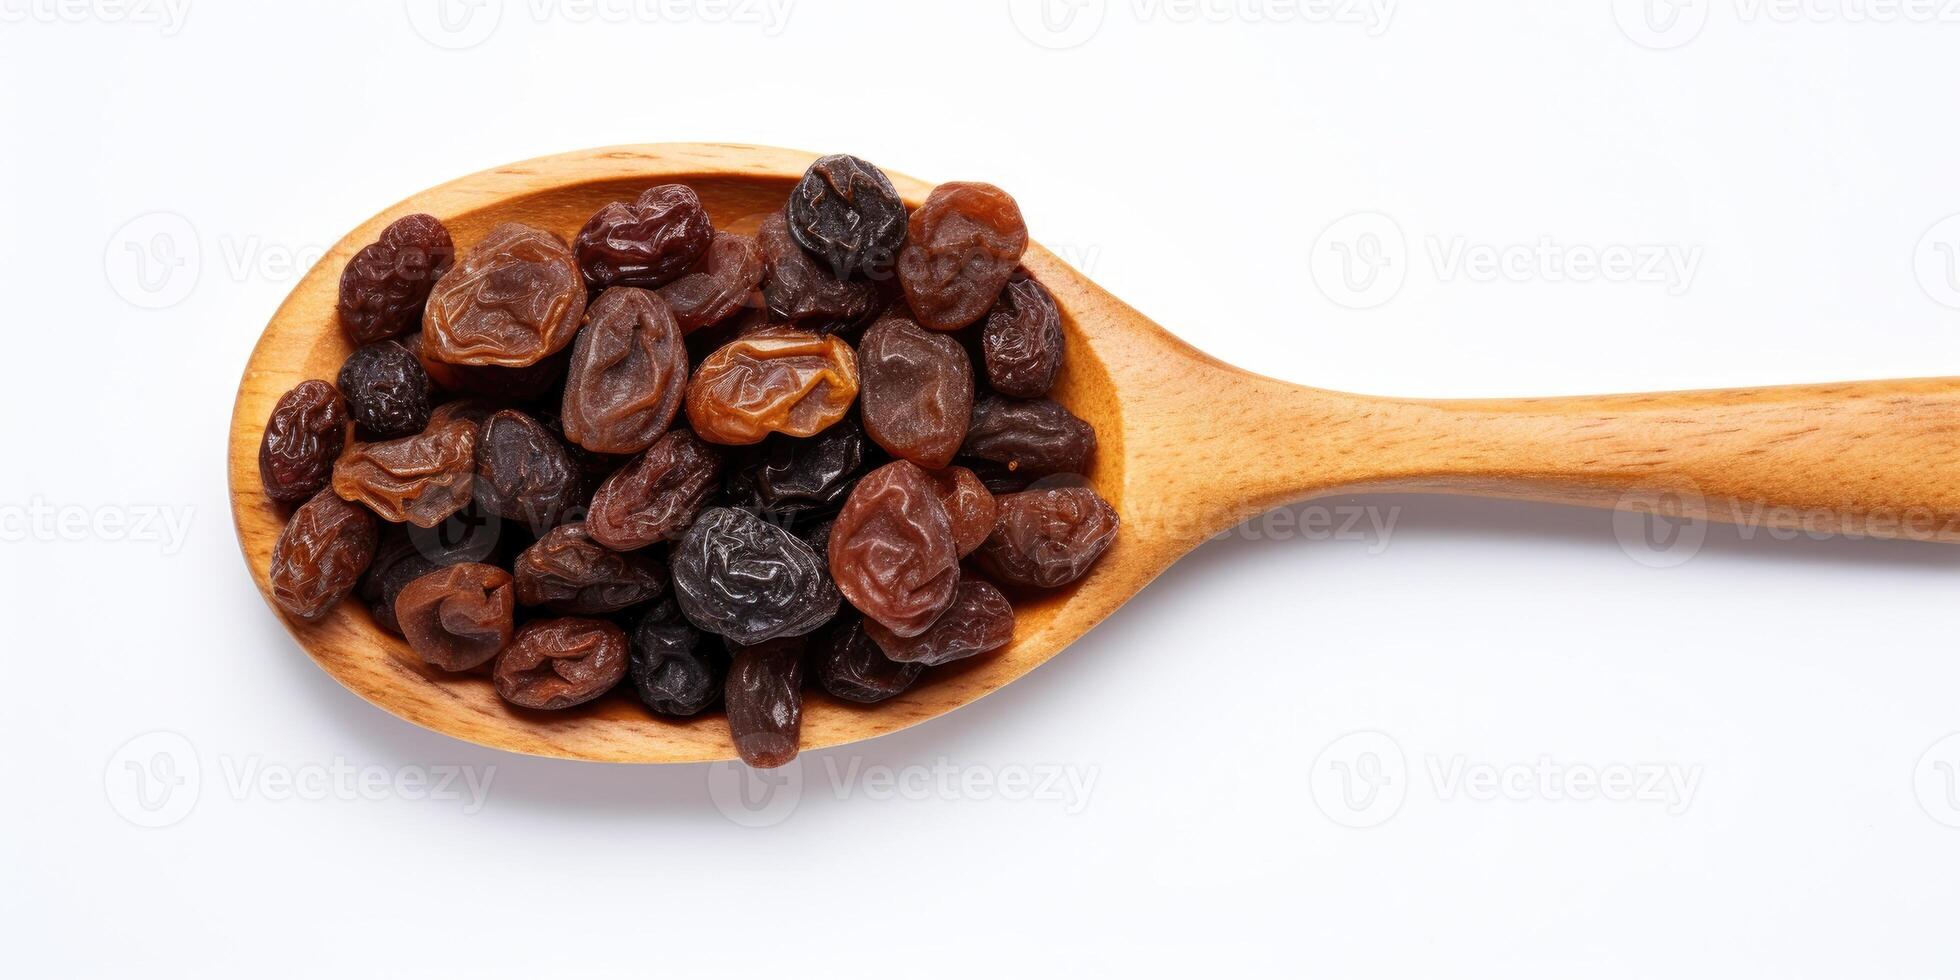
x,y
765,701
656,496
847,213
460,617
962,245
726,280
567,572
511,301
321,555
420,480
386,389
784,476
778,380
798,287
1048,538
851,665
979,620
1036,437
628,373
740,577
523,473
385,284
677,670
1021,345
969,506
916,389
646,243
306,433
553,664
892,551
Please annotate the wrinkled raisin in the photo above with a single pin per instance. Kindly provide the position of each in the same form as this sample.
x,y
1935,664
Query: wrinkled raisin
x,y
1048,538
916,389
726,280
504,383
385,284
656,496
677,669
1036,437
386,389
420,480
513,300
1021,345
778,380
628,373
979,620
646,243
568,572
740,577
765,701
969,506
306,433
798,287
785,476
524,473
892,551
960,249
460,617
853,667
847,213
557,663
321,555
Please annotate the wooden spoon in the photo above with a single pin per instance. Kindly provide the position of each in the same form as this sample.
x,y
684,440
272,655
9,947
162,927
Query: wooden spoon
x,y
1189,447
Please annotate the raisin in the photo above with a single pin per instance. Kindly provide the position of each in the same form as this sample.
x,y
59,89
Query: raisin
x,y
797,287
786,477
960,249
628,373
969,506
892,550
676,669
725,280
765,701
916,389
1021,345
656,496
420,480
306,433
396,563
1048,538
557,663
460,617
384,286
851,666
513,300
520,384
979,620
777,380
321,555
998,479
646,243
567,572
386,389
523,473
740,577
846,212
1036,437
817,536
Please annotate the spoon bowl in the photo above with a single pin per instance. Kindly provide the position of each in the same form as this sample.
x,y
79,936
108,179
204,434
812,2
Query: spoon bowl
x,y
1188,446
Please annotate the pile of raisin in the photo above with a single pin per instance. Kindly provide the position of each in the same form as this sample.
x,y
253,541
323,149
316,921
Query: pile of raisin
x,y
689,465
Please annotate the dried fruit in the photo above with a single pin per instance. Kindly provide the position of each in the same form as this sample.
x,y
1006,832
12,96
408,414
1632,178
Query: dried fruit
x,y
979,620
420,480
916,389
1048,538
460,617
725,280
628,373
321,555
520,384
1021,345
568,572
511,301
1035,437
963,244
303,437
892,551
524,473
780,380
396,563
386,389
385,284
740,577
656,496
847,213
677,669
765,701
553,664
646,243
852,666
785,477
969,506
798,287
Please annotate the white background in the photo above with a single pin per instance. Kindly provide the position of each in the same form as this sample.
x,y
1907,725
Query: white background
x,y
1168,794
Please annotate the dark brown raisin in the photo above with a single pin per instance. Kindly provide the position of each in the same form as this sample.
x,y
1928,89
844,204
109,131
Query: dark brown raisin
x,y
969,506
784,477
628,373
960,249
523,473
798,287
1021,345
512,300
853,667
657,496
306,433
892,550
726,280
765,701
646,243
750,581
1036,437
386,389
460,617
847,213
979,620
568,572
1048,538
321,555
916,388
677,670
384,286
553,664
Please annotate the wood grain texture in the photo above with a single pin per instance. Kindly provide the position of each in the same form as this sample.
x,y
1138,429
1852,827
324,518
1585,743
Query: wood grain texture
x,y
1189,446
